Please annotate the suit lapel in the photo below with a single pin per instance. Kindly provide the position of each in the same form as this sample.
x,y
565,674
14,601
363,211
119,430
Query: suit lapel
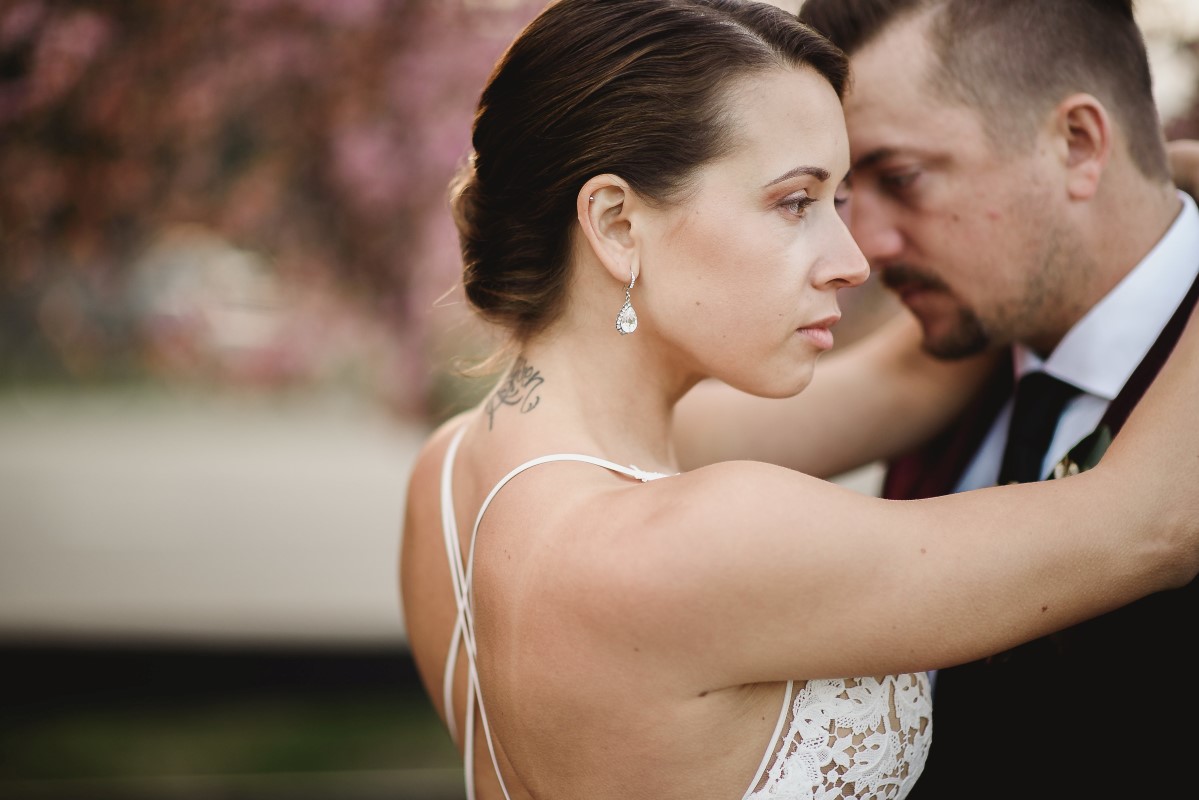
x,y
1086,454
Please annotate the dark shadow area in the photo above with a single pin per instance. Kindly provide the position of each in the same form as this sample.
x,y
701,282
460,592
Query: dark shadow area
x,y
108,722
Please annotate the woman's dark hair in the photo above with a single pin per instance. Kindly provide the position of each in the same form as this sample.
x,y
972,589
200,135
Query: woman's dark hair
x,y
629,87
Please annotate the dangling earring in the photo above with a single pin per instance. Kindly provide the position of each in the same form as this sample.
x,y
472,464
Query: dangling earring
x,y
626,320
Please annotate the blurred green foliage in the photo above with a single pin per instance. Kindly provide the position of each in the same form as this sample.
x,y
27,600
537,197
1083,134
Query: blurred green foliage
x,y
381,730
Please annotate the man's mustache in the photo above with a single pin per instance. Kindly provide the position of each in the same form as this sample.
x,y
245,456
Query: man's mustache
x,y
901,277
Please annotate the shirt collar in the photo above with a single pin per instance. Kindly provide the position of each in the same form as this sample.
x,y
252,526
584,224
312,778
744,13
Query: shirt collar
x,y
1101,351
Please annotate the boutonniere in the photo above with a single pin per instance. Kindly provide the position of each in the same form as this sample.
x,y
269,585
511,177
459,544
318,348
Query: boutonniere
x,y
1085,454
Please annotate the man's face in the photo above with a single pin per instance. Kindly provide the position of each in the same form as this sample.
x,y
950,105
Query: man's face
x,y
968,237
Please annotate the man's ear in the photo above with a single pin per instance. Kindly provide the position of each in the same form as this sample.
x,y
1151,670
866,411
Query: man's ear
x,y
606,208
1084,129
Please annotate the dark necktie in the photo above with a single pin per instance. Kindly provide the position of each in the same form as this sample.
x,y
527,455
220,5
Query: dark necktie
x,y
1040,399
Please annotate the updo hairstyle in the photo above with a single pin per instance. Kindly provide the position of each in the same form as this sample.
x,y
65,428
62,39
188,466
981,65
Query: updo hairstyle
x,y
629,87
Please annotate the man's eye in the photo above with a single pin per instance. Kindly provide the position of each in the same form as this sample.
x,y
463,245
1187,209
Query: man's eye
x,y
899,180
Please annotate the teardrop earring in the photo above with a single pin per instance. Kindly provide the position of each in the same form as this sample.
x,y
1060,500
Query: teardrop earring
x,y
626,320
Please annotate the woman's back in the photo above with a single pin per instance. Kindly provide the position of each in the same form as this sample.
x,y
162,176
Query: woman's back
x,y
579,702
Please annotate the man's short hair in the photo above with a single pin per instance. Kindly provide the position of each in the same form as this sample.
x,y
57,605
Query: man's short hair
x,y
1014,60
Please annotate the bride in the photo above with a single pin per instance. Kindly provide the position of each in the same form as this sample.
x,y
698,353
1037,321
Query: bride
x,y
651,202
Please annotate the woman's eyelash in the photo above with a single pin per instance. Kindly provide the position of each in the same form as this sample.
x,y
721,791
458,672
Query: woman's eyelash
x,y
800,203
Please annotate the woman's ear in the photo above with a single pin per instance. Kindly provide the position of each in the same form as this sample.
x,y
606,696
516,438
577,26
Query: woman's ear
x,y
605,207
1085,130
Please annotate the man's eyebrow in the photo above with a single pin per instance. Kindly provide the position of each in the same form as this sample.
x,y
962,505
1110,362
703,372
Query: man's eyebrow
x,y
816,172
873,157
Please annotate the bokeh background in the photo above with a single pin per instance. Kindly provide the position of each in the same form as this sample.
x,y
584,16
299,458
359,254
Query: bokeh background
x,y
228,316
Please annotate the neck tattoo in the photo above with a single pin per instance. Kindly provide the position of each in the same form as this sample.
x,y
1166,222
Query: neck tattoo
x,y
519,388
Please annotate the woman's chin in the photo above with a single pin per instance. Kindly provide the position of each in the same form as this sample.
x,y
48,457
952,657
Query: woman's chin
x,y
776,388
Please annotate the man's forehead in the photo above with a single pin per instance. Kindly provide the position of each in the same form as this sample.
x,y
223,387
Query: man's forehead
x,y
881,134
894,108
887,119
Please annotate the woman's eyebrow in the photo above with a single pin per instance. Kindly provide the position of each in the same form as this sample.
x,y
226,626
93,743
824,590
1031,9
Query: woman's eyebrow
x,y
816,172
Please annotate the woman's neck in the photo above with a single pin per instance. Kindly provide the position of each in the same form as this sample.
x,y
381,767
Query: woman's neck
x,y
610,398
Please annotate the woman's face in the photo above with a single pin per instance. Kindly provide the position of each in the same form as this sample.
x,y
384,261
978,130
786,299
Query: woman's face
x,y
740,278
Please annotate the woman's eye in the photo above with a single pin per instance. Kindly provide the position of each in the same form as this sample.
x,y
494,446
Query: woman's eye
x,y
797,205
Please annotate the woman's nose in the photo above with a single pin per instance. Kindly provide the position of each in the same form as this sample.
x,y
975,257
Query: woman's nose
x,y
879,240
847,266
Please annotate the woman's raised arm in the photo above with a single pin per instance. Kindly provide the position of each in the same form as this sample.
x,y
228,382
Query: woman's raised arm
x,y
798,578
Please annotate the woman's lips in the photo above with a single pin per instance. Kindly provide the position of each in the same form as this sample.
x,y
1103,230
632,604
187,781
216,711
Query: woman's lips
x,y
821,337
818,333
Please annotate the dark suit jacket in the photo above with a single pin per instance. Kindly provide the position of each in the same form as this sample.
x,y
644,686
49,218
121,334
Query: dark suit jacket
x,y
1106,709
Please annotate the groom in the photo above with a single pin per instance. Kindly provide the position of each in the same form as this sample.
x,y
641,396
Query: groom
x,y
1010,184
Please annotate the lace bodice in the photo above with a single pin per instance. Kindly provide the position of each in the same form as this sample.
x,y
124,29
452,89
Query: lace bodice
x,y
859,738
849,738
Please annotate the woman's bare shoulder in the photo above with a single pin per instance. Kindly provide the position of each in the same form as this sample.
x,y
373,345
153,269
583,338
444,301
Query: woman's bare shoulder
x,y
420,538
630,543
426,467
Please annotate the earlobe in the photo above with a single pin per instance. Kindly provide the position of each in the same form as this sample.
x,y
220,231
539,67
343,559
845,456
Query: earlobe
x,y
1086,129
603,206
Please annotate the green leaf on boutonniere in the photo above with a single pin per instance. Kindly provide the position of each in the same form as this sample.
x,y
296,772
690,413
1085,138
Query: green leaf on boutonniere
x,y
1085,454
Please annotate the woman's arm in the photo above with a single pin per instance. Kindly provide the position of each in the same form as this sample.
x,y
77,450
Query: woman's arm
x,y
747,572
879,397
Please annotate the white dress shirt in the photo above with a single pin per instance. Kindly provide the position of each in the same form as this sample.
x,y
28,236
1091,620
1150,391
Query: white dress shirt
x,y
1103,349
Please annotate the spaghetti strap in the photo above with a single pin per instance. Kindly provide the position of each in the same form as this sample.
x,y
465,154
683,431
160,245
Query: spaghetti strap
x,y
461,574
449,528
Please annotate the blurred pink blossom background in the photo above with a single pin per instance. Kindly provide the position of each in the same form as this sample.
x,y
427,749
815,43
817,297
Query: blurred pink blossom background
x,y
241,193
251,194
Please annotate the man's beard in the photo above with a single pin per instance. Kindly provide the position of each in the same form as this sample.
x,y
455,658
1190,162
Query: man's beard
x,y
966,337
